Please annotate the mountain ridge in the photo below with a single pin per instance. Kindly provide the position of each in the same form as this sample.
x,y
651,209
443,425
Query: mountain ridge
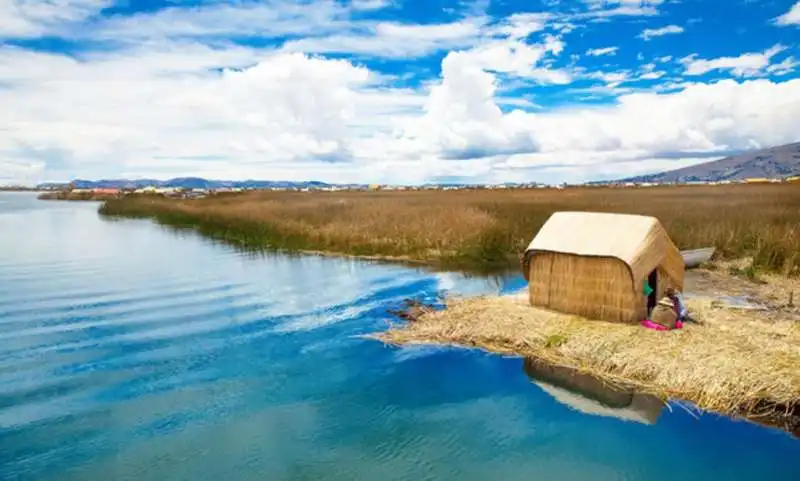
x,y
772,163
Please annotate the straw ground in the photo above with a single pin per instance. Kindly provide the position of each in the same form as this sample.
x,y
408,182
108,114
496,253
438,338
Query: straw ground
x,y
483,229
733,364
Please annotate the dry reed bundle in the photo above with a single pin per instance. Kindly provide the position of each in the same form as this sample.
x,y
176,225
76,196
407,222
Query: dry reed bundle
x,y
734,362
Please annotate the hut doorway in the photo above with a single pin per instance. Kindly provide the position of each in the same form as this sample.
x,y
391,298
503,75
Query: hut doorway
x,y
652,299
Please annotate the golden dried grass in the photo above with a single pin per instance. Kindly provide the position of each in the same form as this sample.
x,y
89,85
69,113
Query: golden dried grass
x,y
483,228
735,362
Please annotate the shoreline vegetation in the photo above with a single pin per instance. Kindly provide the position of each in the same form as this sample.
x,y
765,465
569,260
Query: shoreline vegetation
x,y
81,196
482,230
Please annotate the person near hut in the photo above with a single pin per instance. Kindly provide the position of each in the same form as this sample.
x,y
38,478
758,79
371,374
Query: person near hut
x,y
669,313
678,303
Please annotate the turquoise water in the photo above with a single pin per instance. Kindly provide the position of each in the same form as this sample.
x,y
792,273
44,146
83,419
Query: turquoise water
x,y
129,351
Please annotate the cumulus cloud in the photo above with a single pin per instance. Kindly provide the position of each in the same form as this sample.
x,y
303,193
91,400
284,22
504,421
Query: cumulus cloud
x,y
629,3
520,25
745,65
792,17
167,93
701,118
289,114
215,20
388,39
598,52
650,33
148,111
21,18
652,75
602,10
370,4
787,66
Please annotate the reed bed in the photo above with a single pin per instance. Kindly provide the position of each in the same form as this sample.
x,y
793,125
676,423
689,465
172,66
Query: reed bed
x,y
735,362
484,228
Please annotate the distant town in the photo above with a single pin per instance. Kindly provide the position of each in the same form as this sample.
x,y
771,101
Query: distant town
x,y
198,188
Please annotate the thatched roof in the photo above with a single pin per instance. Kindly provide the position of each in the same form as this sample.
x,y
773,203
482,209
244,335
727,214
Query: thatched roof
x,y
638,241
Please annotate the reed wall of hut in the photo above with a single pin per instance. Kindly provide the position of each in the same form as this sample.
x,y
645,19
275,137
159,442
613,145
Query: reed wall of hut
x,y
595,265
591,287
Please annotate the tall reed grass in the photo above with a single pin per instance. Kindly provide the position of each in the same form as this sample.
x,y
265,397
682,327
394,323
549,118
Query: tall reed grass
x,y
484,228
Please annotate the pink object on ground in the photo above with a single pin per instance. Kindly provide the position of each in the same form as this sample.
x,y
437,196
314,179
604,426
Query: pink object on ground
x,y
652,325
678,325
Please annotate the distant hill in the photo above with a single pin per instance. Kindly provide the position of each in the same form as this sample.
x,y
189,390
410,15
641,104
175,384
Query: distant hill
x,y
185,183
776,162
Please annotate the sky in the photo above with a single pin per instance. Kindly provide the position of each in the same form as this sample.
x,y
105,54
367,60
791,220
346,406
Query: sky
x,y
391,91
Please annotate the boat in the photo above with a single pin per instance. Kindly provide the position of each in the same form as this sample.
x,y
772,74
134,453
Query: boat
x,y
696,257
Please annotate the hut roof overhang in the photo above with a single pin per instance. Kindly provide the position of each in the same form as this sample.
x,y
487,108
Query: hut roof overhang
x,y
638,241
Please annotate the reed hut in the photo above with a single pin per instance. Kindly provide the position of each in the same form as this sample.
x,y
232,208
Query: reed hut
x,y
596,265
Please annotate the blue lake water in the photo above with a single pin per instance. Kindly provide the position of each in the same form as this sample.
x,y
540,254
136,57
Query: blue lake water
x,y
130,351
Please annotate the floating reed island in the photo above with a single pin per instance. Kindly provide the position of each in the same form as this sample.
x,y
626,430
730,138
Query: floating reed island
x,y
734,362
482,229
593,279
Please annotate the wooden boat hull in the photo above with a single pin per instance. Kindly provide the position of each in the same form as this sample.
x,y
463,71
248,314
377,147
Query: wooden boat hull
x,y
695,257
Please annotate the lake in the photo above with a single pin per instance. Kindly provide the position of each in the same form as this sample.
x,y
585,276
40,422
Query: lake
x,y
132,351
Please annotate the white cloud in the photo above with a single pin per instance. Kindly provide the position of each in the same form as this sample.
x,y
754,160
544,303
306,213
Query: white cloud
x,y
629,3
597,52
787,66
612,79
720,116
520,25
394,40
267,19
285,107
287,115
447,31
21,18
370,4
603,10
792,17
513,57
649,33
648,72
604,4
745,65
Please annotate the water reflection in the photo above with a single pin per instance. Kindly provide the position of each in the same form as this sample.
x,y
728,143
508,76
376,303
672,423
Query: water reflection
x,y
501,279
590,395
498,274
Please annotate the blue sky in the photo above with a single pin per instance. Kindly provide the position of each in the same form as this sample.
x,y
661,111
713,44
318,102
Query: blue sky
x,y
401,91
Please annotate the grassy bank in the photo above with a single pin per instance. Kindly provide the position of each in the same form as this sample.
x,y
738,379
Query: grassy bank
x,y
75,196
734,363
483,228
